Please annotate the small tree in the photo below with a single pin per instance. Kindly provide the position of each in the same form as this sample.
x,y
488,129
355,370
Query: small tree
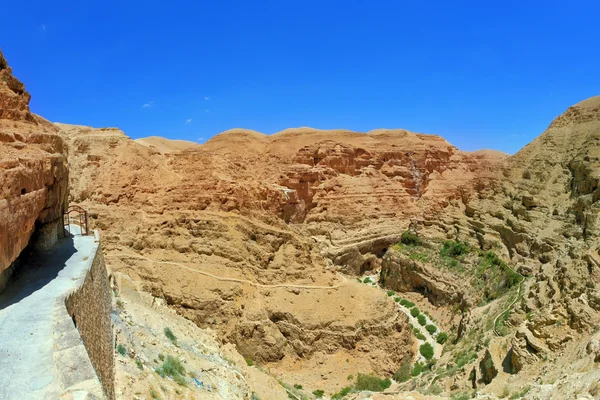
x,y
431,328
372,383
403,373
422,320
410,239
170,335
415,312
442,337
426,351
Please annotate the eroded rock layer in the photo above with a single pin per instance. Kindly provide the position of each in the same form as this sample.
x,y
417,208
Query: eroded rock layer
x,y
33,174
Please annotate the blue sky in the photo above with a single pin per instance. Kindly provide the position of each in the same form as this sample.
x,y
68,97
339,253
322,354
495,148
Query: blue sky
x,y
481,74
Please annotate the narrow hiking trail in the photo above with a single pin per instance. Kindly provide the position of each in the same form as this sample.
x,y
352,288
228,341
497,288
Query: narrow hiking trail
x,y
226,279
27,347
429,338
510,306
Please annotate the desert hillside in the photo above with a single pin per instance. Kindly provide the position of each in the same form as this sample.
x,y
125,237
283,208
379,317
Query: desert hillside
x,y
325,263
267,240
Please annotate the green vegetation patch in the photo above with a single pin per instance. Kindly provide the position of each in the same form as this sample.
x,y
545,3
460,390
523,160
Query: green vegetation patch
x,y
171,336
431,328
121,349
318,393
426,351
422,320
410,239
403,373
343,392
465,357
451,248
372,383
501,327
442,337
172,367
406,303
420,367
415,312
493,277
418,334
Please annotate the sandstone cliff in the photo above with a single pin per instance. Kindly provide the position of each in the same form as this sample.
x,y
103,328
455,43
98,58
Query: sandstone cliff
x,y
33,174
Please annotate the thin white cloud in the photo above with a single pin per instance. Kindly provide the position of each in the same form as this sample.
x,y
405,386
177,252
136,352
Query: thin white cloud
x,y
43,27
206,98
188,121
206,110
148,105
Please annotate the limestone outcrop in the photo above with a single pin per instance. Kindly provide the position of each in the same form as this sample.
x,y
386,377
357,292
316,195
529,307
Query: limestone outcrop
x,y
33,174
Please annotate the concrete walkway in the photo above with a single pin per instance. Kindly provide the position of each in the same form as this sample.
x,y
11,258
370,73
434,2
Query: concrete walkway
x,y
27,367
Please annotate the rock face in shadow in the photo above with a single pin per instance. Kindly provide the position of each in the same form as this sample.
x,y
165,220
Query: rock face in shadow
x,y
33,175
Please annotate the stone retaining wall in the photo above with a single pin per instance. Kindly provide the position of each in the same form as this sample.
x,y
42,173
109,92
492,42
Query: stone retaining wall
x,y
85,356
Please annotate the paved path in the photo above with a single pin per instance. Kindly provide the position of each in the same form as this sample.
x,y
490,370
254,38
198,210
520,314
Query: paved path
x,y
428,337
26,319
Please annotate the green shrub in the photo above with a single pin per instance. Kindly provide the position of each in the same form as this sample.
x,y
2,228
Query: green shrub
x,y
121,349
343,392
465,357
410,239
367,280
431,328
420,336
403,373
406,303
422,320
372,383
318,393
170,335
442,337
418,368
297,386
450,248
391,293
172,367
161,357
426,351
415,312
249,361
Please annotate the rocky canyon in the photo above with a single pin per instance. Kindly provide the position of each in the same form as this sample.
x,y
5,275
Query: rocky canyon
x,y
324,263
